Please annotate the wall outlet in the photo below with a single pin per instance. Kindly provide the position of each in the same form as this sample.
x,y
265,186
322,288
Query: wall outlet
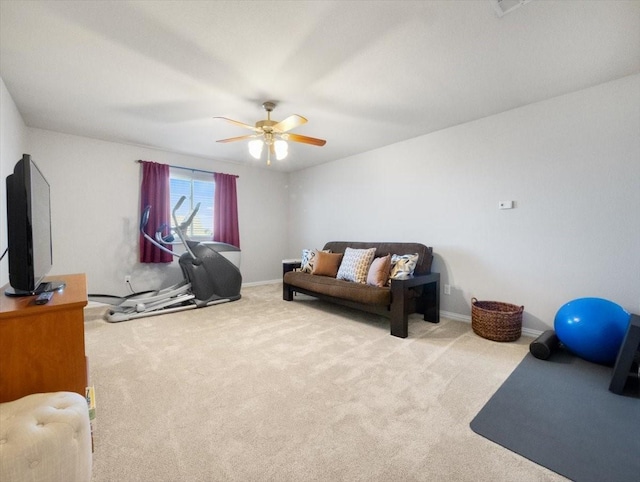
x,y
447,289
127,279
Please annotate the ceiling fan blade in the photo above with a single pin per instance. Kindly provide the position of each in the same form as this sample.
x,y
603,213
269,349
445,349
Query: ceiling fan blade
x,y
306,140
238,123
241,138
289,123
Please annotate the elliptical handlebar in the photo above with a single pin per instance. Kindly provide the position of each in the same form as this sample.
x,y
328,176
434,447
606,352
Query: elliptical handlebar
x,y
179,228
144,219
187,222
179,203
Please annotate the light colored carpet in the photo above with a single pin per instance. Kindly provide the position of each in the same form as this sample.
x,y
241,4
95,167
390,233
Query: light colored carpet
x,y
262,389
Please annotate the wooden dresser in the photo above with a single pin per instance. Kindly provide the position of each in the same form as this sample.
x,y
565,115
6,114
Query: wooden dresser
x,y
42,346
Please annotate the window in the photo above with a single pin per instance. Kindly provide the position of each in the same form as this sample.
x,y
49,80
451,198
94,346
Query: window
x,y
197,187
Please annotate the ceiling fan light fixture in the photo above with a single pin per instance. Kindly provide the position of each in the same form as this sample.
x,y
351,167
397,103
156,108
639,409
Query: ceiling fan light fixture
x,y
275,134
282,149
255,148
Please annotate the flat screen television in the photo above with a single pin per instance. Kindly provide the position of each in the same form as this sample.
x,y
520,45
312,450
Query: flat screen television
x,y
29,230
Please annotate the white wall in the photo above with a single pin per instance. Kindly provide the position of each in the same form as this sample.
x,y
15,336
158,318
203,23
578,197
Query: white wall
x,y
95,211
12,146
572,166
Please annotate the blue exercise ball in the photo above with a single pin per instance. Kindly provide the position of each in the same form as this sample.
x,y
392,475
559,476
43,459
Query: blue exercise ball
x,y
592,328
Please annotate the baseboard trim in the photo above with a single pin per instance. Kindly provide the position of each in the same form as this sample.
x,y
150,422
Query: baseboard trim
x,y
455,316
532,333
260,283
467,319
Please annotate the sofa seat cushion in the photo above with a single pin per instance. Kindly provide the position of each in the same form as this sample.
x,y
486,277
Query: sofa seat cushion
x,y
346,290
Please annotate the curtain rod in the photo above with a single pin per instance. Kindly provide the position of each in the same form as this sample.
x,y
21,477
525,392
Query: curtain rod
x,y
193,170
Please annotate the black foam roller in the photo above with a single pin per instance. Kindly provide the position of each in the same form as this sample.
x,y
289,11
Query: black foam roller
x,y
543,346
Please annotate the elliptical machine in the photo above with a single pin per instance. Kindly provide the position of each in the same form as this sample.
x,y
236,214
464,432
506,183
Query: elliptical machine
x,y
210,269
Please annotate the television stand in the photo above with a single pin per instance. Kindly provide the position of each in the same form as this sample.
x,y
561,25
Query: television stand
x,y
44,287
42,346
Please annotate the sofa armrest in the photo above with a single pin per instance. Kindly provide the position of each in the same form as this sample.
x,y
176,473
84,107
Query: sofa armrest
x,y
416,280
287,266
400,300
290,265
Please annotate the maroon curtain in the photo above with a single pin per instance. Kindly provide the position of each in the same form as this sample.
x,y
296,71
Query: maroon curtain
x,y
225,210
155,193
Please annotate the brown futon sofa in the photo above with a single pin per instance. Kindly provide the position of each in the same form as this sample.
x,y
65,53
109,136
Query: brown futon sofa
x,y
419,293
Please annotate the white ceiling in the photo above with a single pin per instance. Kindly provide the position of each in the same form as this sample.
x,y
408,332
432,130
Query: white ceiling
x,y
365,73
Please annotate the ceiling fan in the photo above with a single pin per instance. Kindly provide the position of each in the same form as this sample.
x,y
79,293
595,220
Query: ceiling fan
x,y
273,134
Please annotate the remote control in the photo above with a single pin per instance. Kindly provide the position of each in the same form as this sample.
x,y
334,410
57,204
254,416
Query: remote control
x,y
43,298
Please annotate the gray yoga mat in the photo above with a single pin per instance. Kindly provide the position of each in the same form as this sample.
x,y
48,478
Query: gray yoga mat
x,y
560,414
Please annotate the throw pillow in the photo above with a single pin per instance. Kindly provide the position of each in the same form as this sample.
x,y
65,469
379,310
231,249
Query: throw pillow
x,y
379,271
326,264
355,264
404,265
308,259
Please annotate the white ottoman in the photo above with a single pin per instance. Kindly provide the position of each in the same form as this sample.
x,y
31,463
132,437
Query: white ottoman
x,y
45,437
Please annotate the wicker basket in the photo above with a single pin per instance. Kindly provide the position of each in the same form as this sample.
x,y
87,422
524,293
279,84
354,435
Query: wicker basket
x,y
495,320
